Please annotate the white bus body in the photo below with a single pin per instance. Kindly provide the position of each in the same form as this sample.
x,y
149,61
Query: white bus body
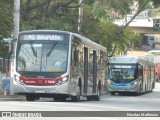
x,y
130,74
80,70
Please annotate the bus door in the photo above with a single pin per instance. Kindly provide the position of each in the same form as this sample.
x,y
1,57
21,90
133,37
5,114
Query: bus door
x,y
94,71
141,77
85,89
74,65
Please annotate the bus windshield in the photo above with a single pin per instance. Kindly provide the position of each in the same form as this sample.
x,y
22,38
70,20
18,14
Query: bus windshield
x,y
42,57
122,72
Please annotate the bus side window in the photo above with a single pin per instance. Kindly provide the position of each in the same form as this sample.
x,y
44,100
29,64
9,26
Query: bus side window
x,y
74,55
140,70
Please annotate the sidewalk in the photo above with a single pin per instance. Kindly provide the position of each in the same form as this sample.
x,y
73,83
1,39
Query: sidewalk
x,y
12,98
9,97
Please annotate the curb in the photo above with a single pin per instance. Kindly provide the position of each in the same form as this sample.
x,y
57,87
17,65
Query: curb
x,y
11,97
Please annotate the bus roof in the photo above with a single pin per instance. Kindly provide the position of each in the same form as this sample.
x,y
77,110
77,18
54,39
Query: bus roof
x,y
44,31
124,59
155,52
89,42
83,39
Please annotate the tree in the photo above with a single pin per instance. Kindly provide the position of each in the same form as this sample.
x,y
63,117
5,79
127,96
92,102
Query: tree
x,y
156,3
121,6
48,14
142,5
63,15
6,18
119,36
6,24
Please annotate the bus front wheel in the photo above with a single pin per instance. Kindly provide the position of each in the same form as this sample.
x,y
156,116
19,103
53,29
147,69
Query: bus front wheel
x,y
97,97
112,93
30,97
77,97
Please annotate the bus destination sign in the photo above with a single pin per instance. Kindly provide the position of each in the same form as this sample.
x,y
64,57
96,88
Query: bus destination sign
x,y
42,37
124,66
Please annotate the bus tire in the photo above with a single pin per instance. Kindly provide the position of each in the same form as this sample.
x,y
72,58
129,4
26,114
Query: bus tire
x,y
77,97
139,91
56,99
98,96
30,97
59,98
158,79
112,93
89,98
146,89
153,85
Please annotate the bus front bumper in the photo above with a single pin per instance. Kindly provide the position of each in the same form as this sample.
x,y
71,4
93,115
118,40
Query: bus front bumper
x,y
29,89
123,87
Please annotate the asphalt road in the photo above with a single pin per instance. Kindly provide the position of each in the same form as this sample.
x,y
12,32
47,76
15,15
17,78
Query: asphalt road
x,y
145,102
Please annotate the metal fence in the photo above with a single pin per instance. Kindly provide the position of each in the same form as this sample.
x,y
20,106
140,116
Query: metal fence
x,y
1,76
4,65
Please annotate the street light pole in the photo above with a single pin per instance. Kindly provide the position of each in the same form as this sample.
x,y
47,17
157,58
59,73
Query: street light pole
x,y
80,17
16,19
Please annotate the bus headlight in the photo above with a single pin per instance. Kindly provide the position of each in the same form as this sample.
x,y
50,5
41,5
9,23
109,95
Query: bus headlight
x,y
134,83
110,82
17,79
62,80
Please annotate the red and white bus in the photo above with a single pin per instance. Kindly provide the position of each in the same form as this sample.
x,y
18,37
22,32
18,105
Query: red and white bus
x,y
154,56
58,64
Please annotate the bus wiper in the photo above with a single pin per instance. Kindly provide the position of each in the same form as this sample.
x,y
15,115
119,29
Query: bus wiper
x,y
18,48
49,52
33,50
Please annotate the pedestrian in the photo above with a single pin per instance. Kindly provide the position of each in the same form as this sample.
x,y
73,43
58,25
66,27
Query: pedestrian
x,y
6,84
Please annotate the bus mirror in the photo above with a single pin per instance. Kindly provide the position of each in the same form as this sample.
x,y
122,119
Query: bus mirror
x,y
11,47
73,45
14,40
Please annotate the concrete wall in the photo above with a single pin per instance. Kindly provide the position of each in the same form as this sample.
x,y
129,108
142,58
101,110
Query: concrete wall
x,y
148,30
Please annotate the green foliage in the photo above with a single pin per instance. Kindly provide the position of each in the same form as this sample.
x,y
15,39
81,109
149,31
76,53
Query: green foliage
x,y
122,6
6,18
156,3
89,1
48,14
116,39
144,4
63,15
3,49
98,10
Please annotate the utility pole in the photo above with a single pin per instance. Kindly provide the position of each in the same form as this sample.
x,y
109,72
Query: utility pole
x,y
80,16
16,19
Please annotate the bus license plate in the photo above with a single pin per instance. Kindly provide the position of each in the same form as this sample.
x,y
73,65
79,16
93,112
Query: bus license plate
x,y
39,91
